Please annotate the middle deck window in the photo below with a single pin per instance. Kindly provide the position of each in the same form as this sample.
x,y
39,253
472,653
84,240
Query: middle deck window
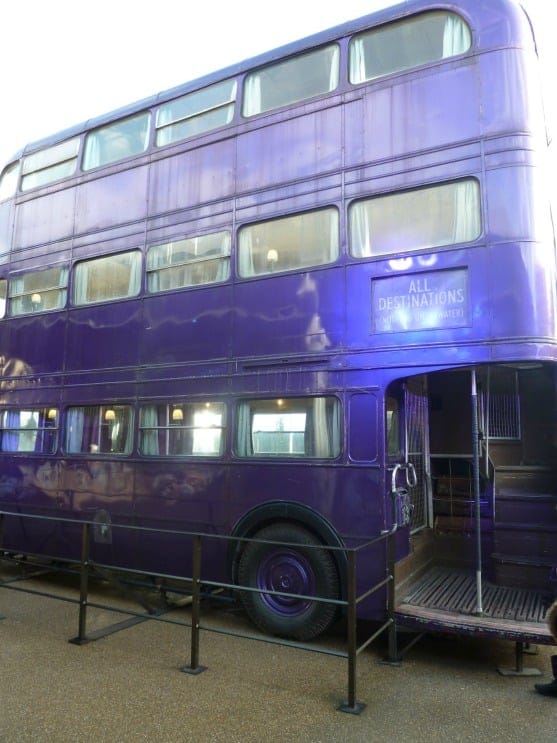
x,y
38,291
110,277
444,214
299,241
189,262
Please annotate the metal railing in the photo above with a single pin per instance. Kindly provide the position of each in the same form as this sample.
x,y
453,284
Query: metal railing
x,y
87,567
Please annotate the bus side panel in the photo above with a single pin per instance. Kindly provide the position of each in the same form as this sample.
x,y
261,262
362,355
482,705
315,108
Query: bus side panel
x,y
112,199
425,112
198,176
104,336
45,219
33,345
299,313
302,147
186,326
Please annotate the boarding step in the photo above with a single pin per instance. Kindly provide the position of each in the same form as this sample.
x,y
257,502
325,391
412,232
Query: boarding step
x,y
528,478
525,507
525,572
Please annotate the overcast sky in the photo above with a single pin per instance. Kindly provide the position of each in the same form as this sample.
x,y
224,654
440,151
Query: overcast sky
x,y
63,61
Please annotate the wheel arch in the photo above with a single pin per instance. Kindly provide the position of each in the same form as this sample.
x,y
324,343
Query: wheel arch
x,y
290,513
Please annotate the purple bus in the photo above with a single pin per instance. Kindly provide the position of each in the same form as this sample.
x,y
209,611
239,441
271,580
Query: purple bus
x,y
304,300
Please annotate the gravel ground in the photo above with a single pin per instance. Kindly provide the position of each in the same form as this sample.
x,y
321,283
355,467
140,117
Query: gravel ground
x,y
128,686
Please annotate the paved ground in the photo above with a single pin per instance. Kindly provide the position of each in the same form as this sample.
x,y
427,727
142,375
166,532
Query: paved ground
x,y
128,687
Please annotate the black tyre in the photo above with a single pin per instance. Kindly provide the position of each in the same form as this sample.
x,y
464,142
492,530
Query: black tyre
x,y
299,569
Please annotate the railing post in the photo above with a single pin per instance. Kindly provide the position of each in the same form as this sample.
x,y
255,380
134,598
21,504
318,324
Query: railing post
x,y
352,706
194,667
393,645
1,543
81,638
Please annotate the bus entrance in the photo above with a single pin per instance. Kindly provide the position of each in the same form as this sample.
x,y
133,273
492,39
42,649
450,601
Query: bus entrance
x,y
514,471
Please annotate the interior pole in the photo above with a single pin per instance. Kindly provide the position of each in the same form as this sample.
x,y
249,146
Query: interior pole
x,y
476,480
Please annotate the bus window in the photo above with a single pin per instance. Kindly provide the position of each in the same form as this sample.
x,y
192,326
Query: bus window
x,y
99,429
125,138
111,277
291,81
189,262
393,428
300,427
406,44
49,165
8,181
38,291
298,241
195,113
29,430
182,429
3,297
444,214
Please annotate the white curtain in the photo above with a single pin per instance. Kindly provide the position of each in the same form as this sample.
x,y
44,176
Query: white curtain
x,y
75,422
456,36
357,61
466,222
252,95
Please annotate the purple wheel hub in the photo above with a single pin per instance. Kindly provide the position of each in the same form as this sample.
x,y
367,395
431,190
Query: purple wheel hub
x,y
288,571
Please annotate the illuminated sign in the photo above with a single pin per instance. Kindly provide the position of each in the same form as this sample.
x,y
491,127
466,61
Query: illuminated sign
x,y
420,301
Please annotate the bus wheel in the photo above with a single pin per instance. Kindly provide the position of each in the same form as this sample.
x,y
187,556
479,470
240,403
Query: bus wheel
x,y
299,569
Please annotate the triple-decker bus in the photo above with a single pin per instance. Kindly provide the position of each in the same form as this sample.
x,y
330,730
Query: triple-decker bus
x,y
304,300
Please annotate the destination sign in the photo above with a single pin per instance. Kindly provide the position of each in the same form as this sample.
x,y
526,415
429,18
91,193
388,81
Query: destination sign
x,y
424,301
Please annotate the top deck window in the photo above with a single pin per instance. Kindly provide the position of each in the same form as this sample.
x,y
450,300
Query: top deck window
x,y
291,81
195,113
405,44
8,181
50,165
109,144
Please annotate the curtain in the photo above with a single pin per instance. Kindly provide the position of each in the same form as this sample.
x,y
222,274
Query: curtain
x,y
244,443
456,36
252,95
357,61
10,438
360,231
75,422
149,432
466,221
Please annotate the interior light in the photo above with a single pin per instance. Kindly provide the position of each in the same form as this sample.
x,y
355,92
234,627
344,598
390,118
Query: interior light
x,y
109,415
52,413
177,414
36,298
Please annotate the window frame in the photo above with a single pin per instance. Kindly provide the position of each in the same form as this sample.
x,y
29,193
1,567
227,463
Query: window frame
x,y
44,414
402,25
99,416
50,160
245,258
225,258
327,433
136,267
175,423
368,253
251,75
110,129
196,114
61,288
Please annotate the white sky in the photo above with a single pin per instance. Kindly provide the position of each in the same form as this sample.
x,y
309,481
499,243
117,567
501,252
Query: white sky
x,y
63,61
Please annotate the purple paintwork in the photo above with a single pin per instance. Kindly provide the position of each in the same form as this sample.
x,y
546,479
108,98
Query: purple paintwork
x,y
289,334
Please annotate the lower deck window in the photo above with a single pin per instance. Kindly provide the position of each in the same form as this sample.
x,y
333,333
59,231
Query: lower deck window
x,y
182,429
29,430
300,427
99,429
